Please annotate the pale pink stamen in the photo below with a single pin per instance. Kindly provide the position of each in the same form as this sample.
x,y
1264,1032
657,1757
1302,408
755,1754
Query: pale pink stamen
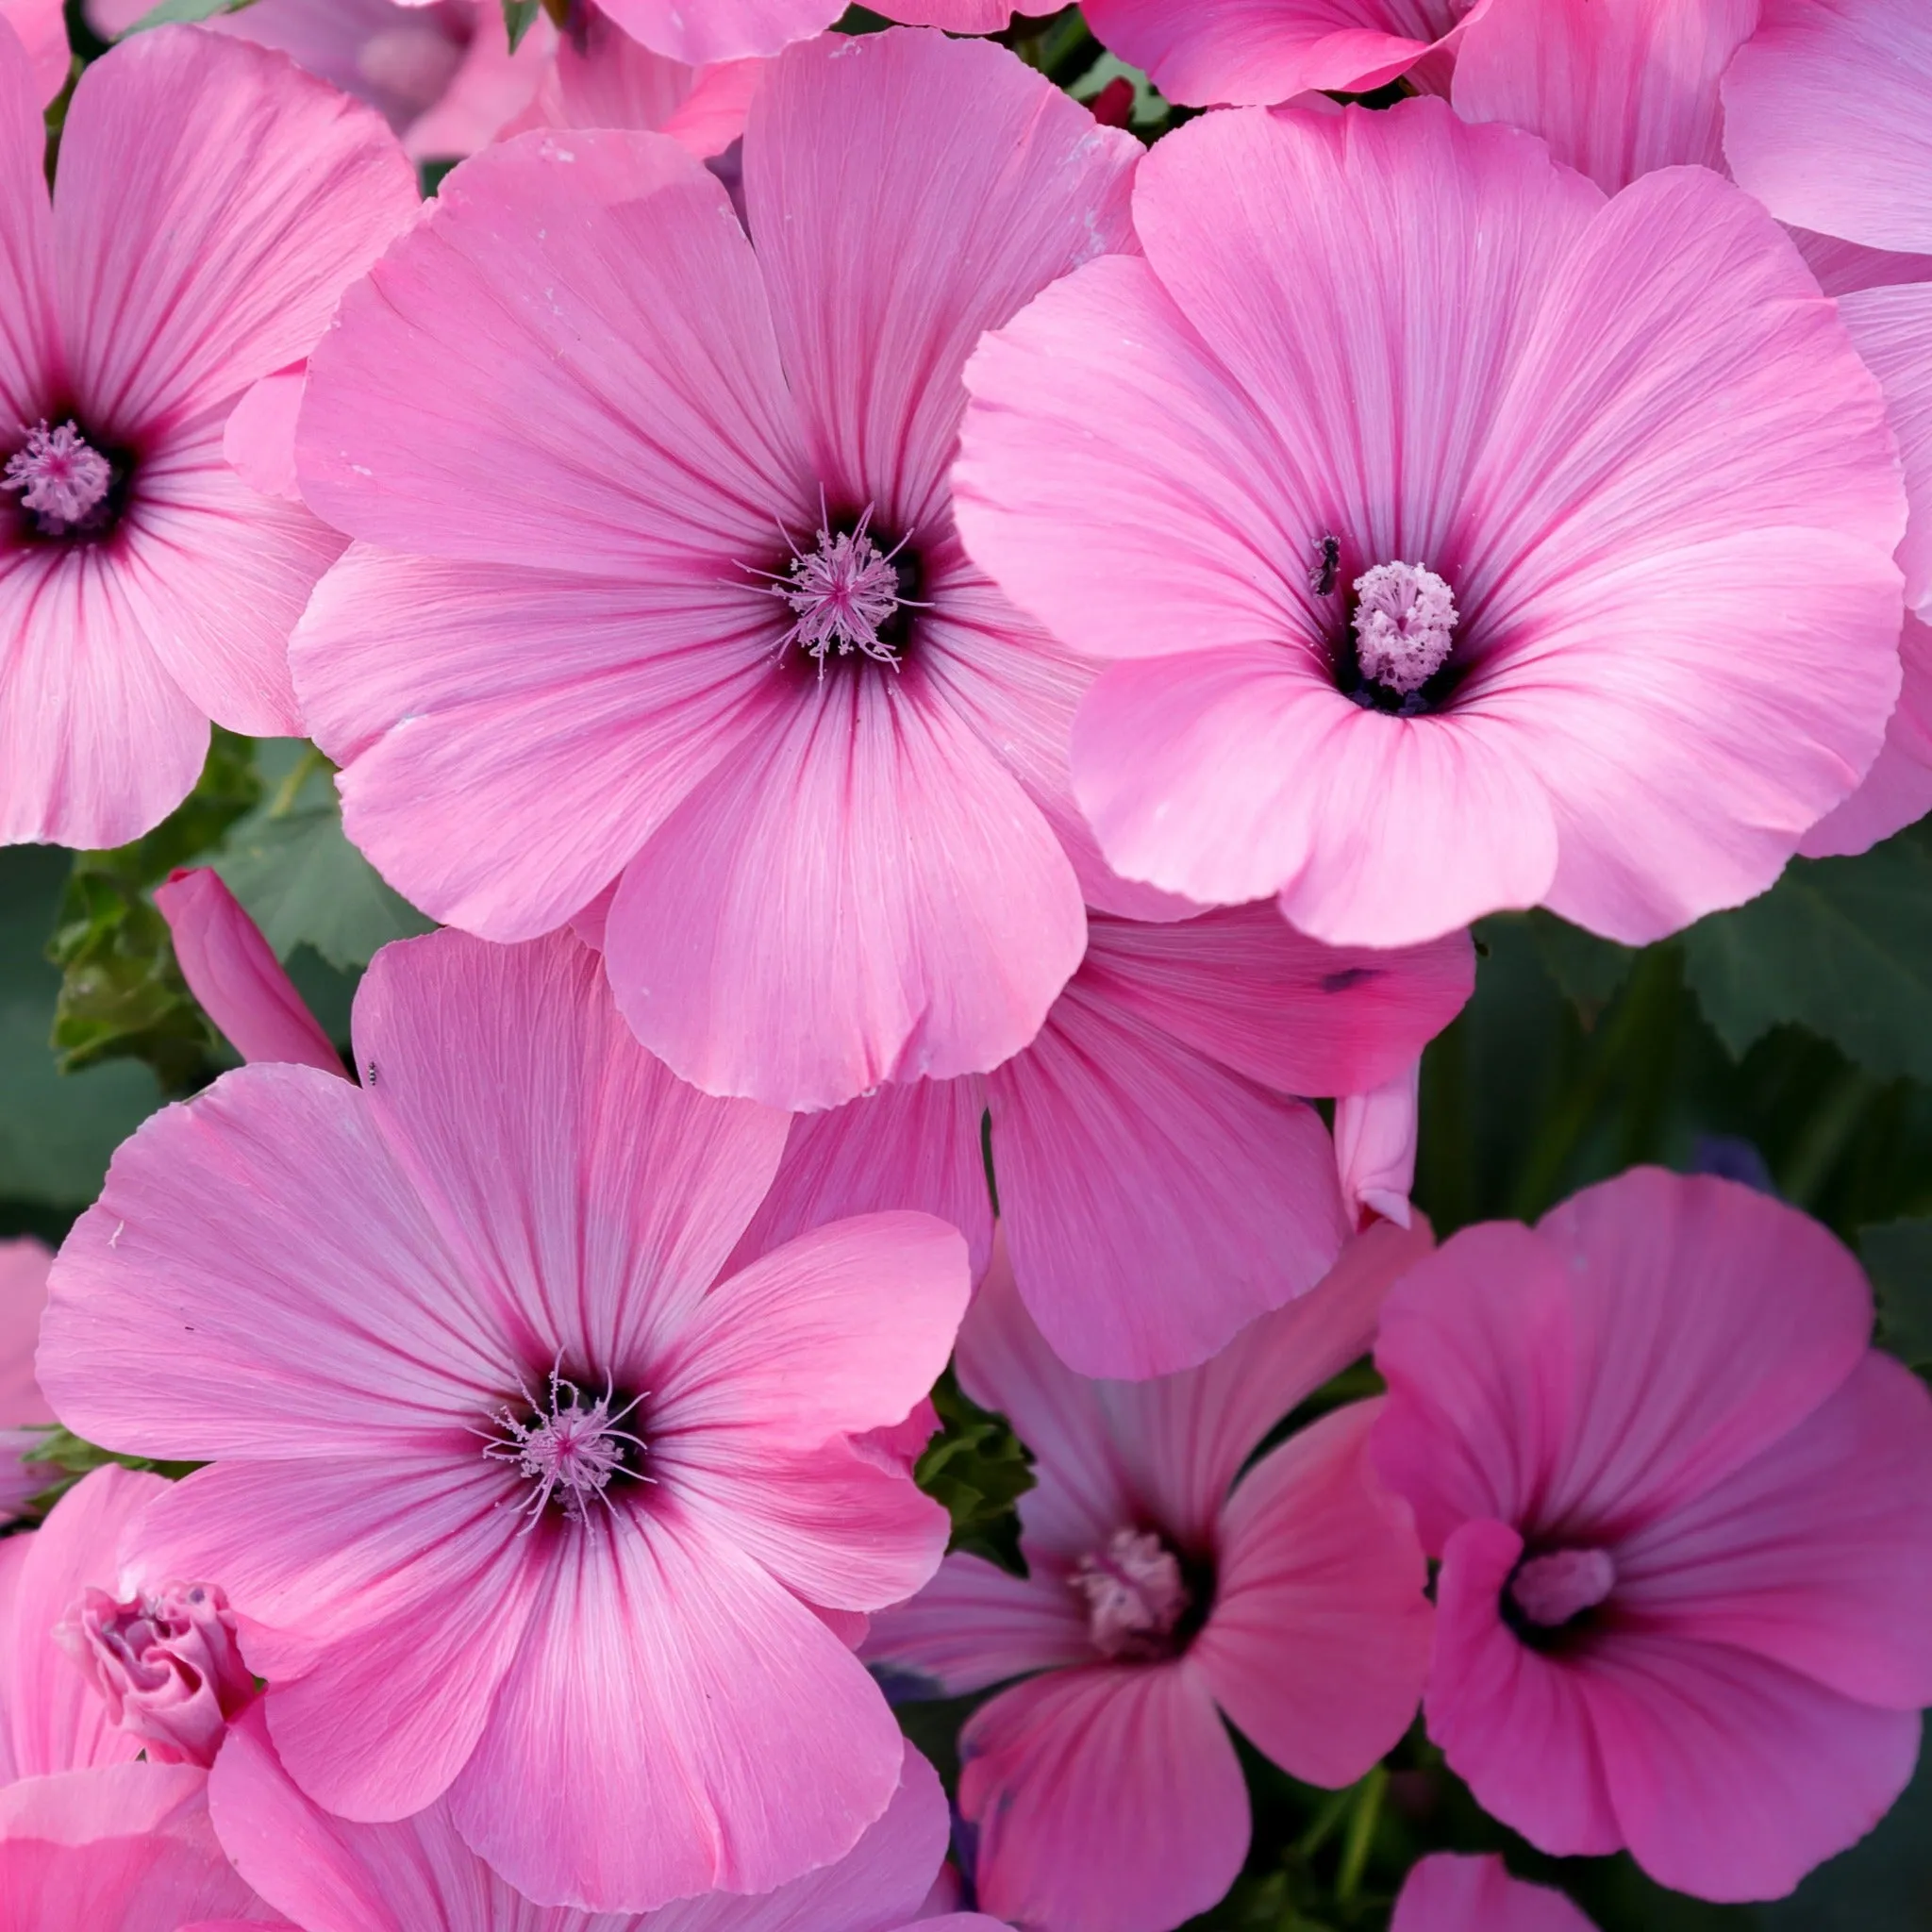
x,y
61,477
1405,624
1552,1590
568,1448
841,594
1134,1592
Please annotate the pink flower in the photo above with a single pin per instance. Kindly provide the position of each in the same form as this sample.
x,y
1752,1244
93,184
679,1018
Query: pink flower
x,y
1162,1592
439,71
614,454
41,25
1626,443
1444,1893
512,1502
731,29
1685,1521
24,1410
1252,52
1158,1185
418,1875
52,1719
125,1849
239,983
601,78
1812,133
212,204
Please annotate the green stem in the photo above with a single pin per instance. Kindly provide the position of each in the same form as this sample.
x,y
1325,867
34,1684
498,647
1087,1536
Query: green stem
x,y
1362,1819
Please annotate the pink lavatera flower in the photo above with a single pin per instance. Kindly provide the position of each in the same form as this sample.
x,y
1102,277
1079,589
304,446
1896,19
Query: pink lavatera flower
x,y
1255,53
211,203
1627,438
1166,1588
24,1411
1447,1893
101,1660
330,1875
1618,88
1684,1514
127,1848
836,859
733,30
1160,1184
439,71
492,1403
235,975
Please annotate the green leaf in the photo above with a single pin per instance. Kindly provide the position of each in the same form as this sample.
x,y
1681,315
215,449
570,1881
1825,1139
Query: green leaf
x,y
1843,946
1591,970
1898,1256
68,1459
300,880
56,1132
518,17
978,1469
122,995
172,10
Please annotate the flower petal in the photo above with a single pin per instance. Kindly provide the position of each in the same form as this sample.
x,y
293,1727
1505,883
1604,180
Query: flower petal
x,y
212,202
591,1194
1318,1641
677,1722
1108,1799
1153,1202
1000,185
972,1625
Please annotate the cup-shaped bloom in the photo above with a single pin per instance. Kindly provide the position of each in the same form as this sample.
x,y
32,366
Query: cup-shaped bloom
x,y
1168,1587
659,579
24,1409
125,1848
1238,53
418,1875
1161,1182
211,203
512,1499
1684,1514
1468,539
1447,1893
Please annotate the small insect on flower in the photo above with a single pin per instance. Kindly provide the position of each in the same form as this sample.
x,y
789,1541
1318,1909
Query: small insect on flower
x,y
1326,566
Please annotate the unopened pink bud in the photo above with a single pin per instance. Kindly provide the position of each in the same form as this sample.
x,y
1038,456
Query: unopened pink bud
x,y
166,1664
230,969
1374,1146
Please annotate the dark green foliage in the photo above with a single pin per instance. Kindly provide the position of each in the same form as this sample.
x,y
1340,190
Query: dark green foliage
x,y
1898,1256
518,17
1843,946
978,1469
122,995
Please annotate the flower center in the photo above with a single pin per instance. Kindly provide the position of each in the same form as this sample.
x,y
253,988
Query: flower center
x,y
848,595
165,1663
1552,1590
1405,625
63,481
567,1449
1136,1596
